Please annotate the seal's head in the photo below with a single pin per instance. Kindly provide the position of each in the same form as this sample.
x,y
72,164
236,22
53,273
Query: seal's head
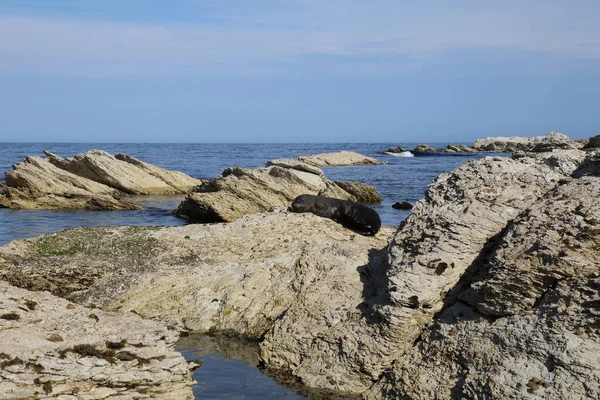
x,y
302,203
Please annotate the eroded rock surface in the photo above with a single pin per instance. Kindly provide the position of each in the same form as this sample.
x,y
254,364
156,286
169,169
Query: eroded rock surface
x,y
91,181
339,158
362,192
51,348
524,324
429,254
593,142
239,277
36,183
241,191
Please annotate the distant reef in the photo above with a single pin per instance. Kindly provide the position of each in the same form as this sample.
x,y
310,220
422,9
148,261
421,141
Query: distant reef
x,y
537,144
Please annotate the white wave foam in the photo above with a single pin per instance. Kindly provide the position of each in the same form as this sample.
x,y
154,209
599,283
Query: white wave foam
x,y
403,154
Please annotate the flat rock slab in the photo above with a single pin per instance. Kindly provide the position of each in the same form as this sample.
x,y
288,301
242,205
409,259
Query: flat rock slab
x,y
339,158
51,348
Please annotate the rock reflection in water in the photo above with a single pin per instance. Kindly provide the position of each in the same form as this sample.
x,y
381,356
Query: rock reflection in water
x,y
229,369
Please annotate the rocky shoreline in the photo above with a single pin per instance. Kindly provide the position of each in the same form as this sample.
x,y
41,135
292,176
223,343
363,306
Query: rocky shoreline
x,y
489,289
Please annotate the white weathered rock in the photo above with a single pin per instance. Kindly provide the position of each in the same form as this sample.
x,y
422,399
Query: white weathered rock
x,y
554,140
526,321
50,348
446,232
91,181
339,158
296,164
125,173
36,183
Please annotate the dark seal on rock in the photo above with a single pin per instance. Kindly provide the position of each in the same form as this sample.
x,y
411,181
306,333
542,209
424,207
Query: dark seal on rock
x,y
355,216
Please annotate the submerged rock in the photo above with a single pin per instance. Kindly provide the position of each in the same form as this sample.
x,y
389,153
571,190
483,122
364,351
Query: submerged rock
x,y
91,181
402,205
242,191
51,348
339,158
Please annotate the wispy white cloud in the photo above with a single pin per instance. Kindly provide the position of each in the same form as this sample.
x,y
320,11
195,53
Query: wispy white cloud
x,y
276,41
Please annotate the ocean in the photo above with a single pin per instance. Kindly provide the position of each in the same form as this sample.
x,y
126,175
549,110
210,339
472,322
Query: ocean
x,y
224,376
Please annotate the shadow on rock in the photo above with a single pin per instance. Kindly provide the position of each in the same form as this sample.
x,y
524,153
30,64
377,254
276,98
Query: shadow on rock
x,y
375,281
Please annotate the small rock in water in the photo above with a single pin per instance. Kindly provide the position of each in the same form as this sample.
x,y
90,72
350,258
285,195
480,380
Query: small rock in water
x,y
402,205
398,149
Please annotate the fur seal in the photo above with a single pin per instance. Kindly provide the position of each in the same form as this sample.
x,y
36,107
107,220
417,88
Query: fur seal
x,y
355,216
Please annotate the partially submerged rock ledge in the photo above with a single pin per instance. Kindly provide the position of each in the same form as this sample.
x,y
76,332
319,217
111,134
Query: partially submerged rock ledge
x,y
95,180
339,158
489,288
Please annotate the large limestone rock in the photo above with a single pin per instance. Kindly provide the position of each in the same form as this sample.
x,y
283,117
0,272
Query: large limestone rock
x,y
339,158
429,254
36,183
239,277
50,348
524,321
242,191
554,140
125,173
91,181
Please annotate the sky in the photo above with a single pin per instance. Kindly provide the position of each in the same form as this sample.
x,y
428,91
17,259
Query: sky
x,y
297,70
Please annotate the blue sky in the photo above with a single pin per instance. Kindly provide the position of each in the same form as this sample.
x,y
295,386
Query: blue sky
x,y
297,70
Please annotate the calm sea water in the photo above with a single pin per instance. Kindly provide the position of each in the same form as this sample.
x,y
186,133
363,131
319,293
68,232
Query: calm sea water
x,y
226,373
